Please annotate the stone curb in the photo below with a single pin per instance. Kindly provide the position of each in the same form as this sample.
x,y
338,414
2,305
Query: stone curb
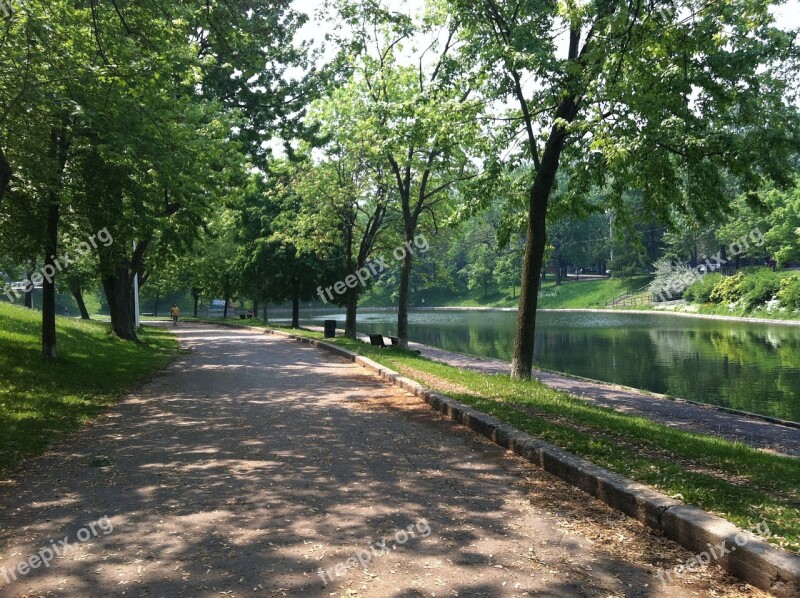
x,y
746,556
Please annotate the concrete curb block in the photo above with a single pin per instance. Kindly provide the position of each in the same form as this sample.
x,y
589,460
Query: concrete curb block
x,y
748,557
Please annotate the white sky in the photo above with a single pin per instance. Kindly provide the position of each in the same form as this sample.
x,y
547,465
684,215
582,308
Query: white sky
x,y
787,15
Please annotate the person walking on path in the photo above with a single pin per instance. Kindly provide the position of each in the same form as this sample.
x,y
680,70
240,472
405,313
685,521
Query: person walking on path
x,y
175,312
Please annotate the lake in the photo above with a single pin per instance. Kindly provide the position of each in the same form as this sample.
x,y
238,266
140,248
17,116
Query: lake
x,y
752,367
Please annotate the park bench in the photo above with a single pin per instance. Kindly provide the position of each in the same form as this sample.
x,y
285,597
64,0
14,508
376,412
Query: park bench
x,y
376,340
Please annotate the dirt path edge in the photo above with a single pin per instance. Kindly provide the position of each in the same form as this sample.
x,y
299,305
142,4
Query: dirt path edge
x,y
749,558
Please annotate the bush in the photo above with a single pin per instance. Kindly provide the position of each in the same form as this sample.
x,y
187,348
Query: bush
x,y
727,290
759,286
700,291
789,293
671,280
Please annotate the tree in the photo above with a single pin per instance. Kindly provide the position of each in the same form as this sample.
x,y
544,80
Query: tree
x,y
421,116
347,195
639,98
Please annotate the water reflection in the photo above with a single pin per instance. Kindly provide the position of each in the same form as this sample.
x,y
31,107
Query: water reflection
x,y
754,367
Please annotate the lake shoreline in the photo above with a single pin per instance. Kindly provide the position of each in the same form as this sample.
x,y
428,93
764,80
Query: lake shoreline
x,y
746,319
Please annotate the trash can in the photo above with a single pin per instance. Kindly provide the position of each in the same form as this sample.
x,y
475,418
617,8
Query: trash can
x,y
330,328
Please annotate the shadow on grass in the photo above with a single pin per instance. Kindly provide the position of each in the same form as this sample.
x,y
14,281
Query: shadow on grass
x,y
40,401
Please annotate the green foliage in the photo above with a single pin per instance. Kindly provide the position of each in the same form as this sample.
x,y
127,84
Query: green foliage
x,y
751,287
758,286
789,293
700,291
671,280
727,290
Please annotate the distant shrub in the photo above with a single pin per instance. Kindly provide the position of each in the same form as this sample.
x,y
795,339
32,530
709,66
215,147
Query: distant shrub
x,y
759,286
789,293
727,290
700,291
671,280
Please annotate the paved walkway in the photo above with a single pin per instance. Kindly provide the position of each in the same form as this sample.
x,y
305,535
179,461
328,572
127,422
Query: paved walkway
x,y
253,462
687,416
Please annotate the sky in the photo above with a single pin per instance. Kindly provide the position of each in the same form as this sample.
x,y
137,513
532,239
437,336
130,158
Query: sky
x,y
787,15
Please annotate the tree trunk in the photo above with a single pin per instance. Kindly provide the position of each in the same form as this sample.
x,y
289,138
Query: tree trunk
x,y
529,289
296,311
255,308
78,294
402,305
225,309
119,294
352,313
155,307
196,297
29,294
49,284
265,316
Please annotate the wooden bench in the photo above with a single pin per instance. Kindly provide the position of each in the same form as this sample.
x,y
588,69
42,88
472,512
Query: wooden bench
x,y
376,340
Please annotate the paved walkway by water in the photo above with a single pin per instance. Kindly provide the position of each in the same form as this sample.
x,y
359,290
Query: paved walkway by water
x,y
254,462
706,420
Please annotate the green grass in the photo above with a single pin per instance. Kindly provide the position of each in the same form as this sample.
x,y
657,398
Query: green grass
x,y
587,294
723,310
742,484
41,402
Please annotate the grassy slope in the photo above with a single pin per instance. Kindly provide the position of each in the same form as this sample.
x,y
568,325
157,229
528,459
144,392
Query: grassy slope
x,y
587,294
40,402
744,485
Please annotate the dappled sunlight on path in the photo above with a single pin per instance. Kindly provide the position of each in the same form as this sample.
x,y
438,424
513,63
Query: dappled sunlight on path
x,y
252,462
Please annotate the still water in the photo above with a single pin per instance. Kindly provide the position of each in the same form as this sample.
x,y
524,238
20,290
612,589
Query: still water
x,y
753,367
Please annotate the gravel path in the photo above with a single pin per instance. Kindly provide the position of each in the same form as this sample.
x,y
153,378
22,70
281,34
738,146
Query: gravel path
x,y
705,420
252,462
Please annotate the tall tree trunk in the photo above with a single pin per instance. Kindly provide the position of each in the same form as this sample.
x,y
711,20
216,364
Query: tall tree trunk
x,y
155,307
119,294
255,308
265,315
6,173
196,297
536,240
78,294
49,284
225,310
529,289
352,313
402,304
296,311
29,294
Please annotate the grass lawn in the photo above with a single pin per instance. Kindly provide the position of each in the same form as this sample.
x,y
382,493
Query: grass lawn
x,y
742,484
722,310
587,294
40,402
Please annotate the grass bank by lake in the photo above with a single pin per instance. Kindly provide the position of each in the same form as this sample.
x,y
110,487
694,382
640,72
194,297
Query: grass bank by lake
x,y
40,402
